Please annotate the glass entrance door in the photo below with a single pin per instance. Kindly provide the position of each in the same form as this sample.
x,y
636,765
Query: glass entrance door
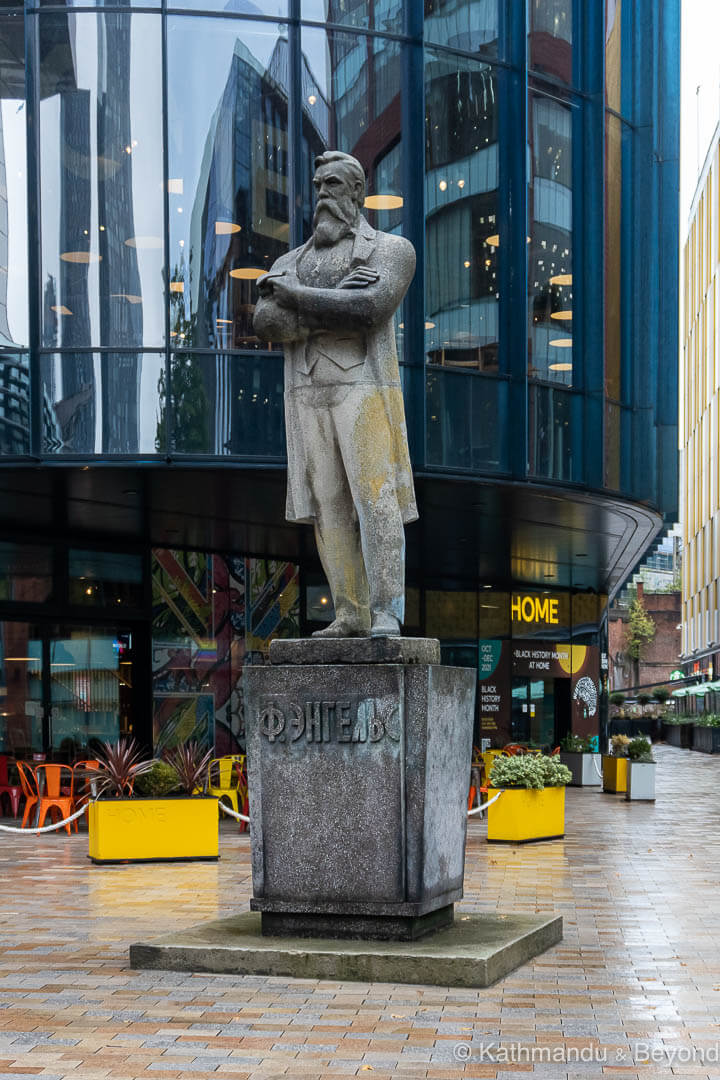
x,y
533,711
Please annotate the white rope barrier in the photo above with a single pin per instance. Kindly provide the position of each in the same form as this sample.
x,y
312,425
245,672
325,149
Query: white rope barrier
x,y
479,809
226,810
48,828
598,771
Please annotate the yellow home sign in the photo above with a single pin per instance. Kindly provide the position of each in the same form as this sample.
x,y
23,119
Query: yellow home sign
x,y
533,609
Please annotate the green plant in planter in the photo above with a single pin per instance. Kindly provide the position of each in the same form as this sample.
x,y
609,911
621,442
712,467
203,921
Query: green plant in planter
x,y
619,744
119,766
661,695
617,699
190,763
159,780
529,771
574,744
708,720
640,750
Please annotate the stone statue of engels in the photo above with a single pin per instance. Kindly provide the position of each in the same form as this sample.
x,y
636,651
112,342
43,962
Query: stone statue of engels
x,y
331,302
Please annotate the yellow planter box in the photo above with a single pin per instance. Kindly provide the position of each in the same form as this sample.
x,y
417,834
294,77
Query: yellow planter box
x,y
521,815
145,830
614,773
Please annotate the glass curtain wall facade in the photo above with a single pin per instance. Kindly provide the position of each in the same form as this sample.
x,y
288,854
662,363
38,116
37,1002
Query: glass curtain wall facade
x,y
154,162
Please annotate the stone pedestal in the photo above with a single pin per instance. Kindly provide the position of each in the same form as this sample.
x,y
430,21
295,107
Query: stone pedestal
x,y
358,764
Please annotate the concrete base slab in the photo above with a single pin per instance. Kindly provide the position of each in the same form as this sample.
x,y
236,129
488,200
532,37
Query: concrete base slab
x,y
476,951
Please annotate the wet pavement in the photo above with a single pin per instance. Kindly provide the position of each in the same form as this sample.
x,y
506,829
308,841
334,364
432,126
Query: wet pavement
x,y
632,991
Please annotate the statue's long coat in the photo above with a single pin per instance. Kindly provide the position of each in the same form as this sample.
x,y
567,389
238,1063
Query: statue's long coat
x,y
351,335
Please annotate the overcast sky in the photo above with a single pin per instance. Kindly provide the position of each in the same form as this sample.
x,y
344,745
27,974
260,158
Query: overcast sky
x,y
700,108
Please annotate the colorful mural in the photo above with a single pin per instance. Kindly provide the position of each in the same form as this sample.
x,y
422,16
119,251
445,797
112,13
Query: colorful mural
x,y
212,614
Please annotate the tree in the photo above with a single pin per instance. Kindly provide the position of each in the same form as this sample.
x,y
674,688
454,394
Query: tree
x,y
643,700
661,694
640,630
190,407
617,699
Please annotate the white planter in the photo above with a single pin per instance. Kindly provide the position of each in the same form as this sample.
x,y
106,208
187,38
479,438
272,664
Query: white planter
x,y
641,781
585,768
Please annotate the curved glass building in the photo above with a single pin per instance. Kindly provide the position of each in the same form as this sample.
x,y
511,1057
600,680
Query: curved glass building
x,y
154,160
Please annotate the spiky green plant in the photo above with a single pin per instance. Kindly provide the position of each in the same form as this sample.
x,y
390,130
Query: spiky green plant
x,y
191,765
119,765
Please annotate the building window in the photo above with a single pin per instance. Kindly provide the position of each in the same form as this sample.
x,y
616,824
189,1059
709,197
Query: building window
x,y
470,25
550,269
13,186
101,154
551,38
463,235
102,403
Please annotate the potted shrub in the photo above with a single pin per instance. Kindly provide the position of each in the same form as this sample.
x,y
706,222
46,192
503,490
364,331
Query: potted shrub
x,y
147,809
679,731
706,734
641,771
532,804
582,759
614,764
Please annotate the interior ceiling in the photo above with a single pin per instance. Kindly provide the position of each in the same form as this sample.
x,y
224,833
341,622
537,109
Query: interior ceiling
x,y
469,532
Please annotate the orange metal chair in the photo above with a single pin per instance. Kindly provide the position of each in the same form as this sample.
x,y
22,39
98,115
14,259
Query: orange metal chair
x,y
28,783
84,781
514,748
13,791
55,777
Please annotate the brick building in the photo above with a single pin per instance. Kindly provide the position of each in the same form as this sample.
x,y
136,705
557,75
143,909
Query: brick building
x,y
660,656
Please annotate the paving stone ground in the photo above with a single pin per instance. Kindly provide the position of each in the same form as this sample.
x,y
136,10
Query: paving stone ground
x,y
632,992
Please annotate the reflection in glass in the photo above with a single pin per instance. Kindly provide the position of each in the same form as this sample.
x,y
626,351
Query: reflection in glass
x,y
228,405
13,185
99,3
367,14
14,402
466,421
551,421
462,231
25,573
613,255
550,265
237,7
91,688
101,180
470,25
104,578
21,708
351,102
551,36
101,403
613,444
228,162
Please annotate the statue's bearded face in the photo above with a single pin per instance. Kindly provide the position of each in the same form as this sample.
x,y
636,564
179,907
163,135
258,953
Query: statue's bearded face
x,y
337,206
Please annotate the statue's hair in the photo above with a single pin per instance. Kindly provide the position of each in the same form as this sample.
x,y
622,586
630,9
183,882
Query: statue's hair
x,y
350,163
